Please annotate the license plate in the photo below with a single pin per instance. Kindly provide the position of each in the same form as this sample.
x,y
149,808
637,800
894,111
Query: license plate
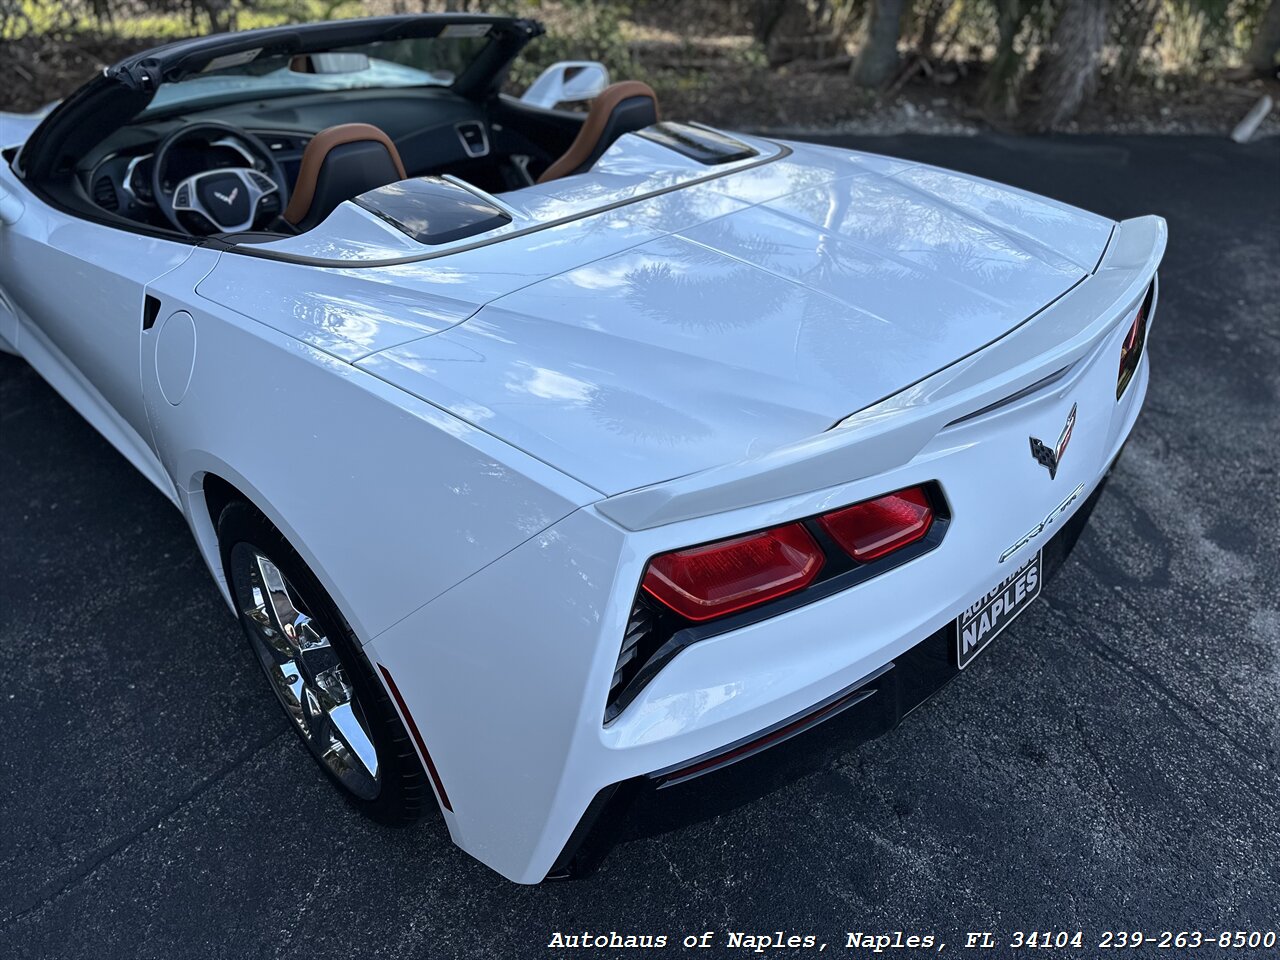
x,y
992,612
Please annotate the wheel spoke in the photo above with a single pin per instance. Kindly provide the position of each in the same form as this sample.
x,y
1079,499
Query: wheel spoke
x,y
305,670
314,652
308,636
288,683
318,724
345,726
290,629
334,686
279,605
258,610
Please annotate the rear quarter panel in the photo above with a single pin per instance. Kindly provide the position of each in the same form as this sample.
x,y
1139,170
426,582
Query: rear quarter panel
x,y
388,499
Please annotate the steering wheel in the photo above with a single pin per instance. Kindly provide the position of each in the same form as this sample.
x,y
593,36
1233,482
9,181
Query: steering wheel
x,y
226,199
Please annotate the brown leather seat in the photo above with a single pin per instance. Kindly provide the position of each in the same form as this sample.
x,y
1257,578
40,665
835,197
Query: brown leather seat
x,y
620,108
340,163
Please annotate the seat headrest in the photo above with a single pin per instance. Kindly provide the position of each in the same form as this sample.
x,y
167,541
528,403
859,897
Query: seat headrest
x,y
620,108
340,163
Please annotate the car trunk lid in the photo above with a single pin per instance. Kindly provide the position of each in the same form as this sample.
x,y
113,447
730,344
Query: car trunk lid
x,y
735,335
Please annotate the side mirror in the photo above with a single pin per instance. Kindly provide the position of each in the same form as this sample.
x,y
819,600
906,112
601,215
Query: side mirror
x,y
568,81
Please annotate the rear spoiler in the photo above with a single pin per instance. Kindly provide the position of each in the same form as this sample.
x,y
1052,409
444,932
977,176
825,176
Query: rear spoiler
x,y
892,431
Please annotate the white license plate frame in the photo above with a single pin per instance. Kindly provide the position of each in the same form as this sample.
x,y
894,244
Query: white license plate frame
x,y
989,615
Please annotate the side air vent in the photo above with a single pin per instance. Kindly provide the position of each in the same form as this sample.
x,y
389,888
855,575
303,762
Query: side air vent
x,y
629,659
104,194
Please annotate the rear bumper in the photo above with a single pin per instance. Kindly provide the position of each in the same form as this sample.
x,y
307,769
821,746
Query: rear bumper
x,y
507,674
740,772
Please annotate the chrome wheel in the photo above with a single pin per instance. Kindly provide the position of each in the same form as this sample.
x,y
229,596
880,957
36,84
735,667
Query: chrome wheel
x,y
305,671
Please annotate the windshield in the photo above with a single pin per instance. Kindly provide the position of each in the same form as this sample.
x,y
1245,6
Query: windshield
x,y
427,61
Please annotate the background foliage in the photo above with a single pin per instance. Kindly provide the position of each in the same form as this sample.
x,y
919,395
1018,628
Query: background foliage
x,y
1033,64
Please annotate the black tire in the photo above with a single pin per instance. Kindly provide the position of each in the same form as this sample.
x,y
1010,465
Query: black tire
x,y
403,791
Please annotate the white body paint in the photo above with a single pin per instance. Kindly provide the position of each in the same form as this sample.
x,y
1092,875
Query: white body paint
x,y
478,452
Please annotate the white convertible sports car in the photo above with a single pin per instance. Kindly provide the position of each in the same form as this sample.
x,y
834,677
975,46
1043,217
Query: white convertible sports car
x,y
561,465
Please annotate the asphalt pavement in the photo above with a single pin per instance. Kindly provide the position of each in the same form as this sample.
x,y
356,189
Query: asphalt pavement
x,y
1113,762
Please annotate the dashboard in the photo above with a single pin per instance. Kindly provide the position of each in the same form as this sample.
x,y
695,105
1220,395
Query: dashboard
x,y
434,130
129,176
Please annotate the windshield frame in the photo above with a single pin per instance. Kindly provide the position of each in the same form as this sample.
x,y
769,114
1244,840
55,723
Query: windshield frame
x,y
122,92
234,82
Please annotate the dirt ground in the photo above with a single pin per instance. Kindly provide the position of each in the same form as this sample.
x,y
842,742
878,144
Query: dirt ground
x,y
712,81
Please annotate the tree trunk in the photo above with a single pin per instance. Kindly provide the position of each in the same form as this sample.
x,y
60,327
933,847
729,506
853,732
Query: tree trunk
x,y
219,12
877,61
1069,72
1137,31
785,29
999,94
764,16
929,26
1266,42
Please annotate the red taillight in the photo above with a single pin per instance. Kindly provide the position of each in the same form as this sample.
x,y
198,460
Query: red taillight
x,y
720,578
1131,349
871,529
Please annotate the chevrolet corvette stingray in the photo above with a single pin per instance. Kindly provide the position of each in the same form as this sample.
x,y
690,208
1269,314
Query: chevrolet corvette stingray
x,y
560,464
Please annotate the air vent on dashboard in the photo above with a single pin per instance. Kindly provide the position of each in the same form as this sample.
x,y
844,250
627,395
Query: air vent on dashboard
x,y
475,140
104,194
